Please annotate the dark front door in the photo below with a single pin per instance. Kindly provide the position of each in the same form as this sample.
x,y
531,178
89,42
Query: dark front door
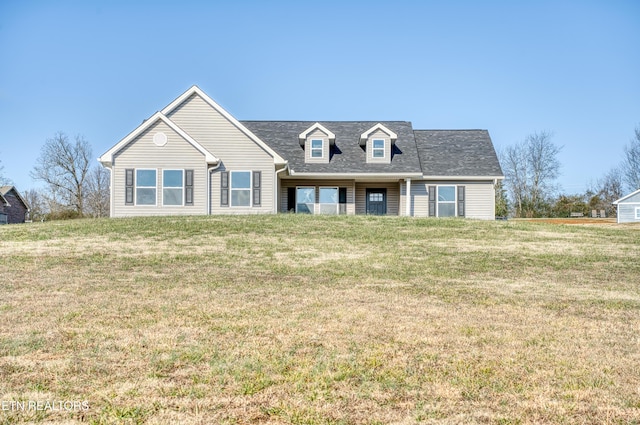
x,y
377,201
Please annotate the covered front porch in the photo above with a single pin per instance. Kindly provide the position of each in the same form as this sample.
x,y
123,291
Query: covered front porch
x,y
340,196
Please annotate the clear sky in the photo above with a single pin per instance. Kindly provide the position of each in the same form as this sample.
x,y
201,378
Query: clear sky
x,y
99,68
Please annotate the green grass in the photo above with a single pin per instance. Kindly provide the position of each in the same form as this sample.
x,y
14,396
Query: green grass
x,y
321,320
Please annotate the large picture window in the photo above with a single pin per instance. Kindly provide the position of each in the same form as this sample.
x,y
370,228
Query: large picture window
x,y
145,187
305,199
446,201
241,188
328,200
172,186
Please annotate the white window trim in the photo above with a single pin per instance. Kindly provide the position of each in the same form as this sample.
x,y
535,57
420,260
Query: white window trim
x,y
171,187
321,148
374,149
454,202
135,187
337,204
637,215
314,197
231,189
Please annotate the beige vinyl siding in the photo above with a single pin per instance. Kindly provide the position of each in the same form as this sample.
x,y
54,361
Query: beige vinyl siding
x,y
287,183
317,134
393,196
379,134
480,201
419,198
142,153
479,198
235,149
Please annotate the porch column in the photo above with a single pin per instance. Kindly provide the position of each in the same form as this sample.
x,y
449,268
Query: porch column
x,y
407,208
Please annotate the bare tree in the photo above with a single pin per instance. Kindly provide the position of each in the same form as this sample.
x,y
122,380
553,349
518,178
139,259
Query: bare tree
x,y
515,165
64,166
631,162
4,180
97,194
531,169
542,155
37,204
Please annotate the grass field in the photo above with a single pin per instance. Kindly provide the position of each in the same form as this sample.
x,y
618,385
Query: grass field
x,y
319,320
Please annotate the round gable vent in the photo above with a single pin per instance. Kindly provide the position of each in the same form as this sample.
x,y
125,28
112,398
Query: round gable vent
x,y
160,139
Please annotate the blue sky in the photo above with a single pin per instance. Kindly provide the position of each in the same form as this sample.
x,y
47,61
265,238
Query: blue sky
x,y
99,68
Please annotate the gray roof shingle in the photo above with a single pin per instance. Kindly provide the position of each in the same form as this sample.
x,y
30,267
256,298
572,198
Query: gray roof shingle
x,y
347,156
430,152
457,153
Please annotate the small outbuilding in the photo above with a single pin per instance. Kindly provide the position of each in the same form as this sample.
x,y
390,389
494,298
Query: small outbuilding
x,y
13,207
629,208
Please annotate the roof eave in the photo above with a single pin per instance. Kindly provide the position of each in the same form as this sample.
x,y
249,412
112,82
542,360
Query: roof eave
x,y
277,159
107,158
473,178
616,202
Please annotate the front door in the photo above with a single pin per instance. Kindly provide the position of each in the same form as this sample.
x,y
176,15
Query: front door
x,y
377,201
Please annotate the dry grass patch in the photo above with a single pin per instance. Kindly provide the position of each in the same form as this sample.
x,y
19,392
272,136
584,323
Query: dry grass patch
x,y
320,320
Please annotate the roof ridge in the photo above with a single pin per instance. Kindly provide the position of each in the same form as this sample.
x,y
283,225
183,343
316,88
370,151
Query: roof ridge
x,y
333,121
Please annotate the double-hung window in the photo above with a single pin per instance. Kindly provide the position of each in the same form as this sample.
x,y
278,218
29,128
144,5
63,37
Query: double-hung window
x,y
145,187
637,213
240,188
446,201
329,200
316,148
378,148
172,187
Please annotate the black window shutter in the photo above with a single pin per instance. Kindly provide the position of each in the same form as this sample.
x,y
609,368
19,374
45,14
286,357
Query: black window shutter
x,y
291,199
188,187
342,200
342,195
257,182
460,201
224,189
432,201
129,183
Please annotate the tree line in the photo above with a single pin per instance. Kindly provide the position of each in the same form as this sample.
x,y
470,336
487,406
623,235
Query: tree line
x,y
75,184
531,188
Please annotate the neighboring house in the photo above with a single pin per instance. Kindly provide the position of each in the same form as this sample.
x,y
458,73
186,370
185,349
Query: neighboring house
x,y
3,215
13,207
629,208
193,157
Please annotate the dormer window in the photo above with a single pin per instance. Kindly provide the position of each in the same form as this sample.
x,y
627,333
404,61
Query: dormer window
x,y
316,142
378,144
378,148
317,148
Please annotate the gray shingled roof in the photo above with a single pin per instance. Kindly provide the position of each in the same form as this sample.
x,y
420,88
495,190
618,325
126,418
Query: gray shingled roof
x,y
346,156
457,153
431,152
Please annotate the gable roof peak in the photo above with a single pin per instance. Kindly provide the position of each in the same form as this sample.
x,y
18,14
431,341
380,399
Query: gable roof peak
x,y
6,189
379,126
624,198
196,90
107,158
317,126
